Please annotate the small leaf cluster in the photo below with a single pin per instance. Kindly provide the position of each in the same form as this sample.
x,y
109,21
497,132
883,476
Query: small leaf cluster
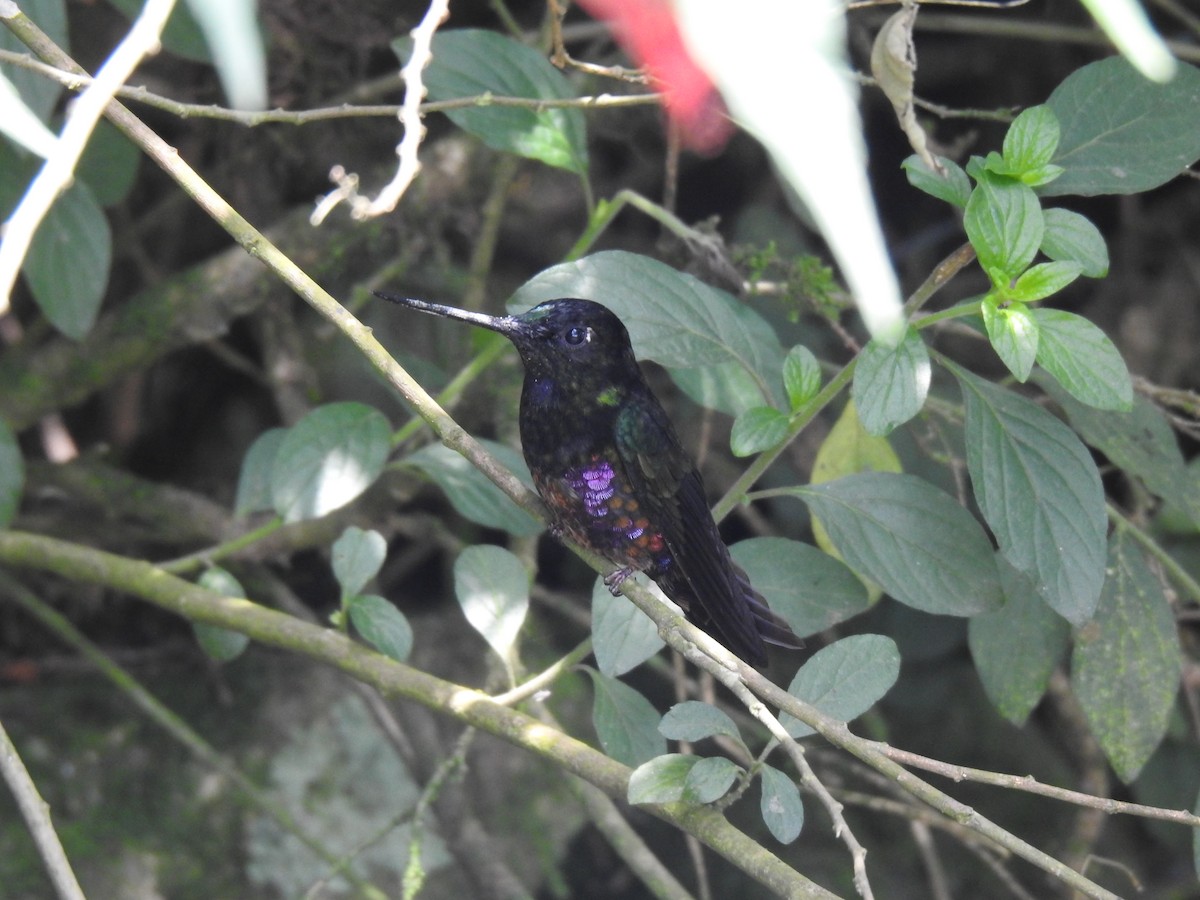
x,y
1008,228
842,681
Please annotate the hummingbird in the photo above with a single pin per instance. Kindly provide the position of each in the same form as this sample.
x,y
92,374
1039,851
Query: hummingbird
x,y
612,471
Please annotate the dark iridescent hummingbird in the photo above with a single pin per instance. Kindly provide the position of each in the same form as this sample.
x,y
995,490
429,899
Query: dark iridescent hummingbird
x,y
612,472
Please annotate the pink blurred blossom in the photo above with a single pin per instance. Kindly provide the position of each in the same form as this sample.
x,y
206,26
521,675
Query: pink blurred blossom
x,y
648,32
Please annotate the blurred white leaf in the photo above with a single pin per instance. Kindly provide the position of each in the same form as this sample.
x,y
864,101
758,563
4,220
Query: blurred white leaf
x,y
805,114
231,29
21,124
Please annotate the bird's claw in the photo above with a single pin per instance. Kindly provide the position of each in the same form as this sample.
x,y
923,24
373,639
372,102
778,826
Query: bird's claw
x,y
613,580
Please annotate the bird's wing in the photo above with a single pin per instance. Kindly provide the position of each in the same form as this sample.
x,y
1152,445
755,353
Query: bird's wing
x,y
672,496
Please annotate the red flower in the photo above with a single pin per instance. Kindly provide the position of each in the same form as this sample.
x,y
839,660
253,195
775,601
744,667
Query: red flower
x,y
650,35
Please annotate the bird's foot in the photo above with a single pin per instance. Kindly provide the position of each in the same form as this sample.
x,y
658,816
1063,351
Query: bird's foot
x,y
613,580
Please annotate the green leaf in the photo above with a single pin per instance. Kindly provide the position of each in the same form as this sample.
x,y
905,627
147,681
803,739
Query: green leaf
x,y
357,557
1140,442
254,480
623,637
1083,360
492,587
68,262
109,164
1073,238
1122,133
471,493
39,93
844,679
1014,335
758,429
1126,665
848,449
382,625
626,723
891,383
810,589
1039,490
474,63
327,459
221,644
912,539
781,806
1042,280
801,376
727,388
182,36
693,721
12,474
1031,140
1005,226
709,780
953,187
661,779
674,319
1017,647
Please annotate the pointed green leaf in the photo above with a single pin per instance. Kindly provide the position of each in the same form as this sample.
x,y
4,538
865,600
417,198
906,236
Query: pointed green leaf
x,y
327,459
912,539
254,480
810,589
625,722
673,318
109,164
39,93
356,558
953,187
1039,490
471,493
709,780
221,644
1031,139
801,376
475,63
1122,133
1043,280
623,637
1140,442
1083,360
492,587
781,806
1127,663
891,383
382,625
844,679
1017,647
725,387
693,720
182,36
1073,238
661,779
1004,224
849,448
12,474
1014,336
758,429
68,262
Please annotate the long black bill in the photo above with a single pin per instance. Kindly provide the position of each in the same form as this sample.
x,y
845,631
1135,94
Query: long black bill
x,y
506,325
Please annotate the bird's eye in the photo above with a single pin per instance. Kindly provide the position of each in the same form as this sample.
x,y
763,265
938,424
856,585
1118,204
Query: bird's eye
x,y
577,335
